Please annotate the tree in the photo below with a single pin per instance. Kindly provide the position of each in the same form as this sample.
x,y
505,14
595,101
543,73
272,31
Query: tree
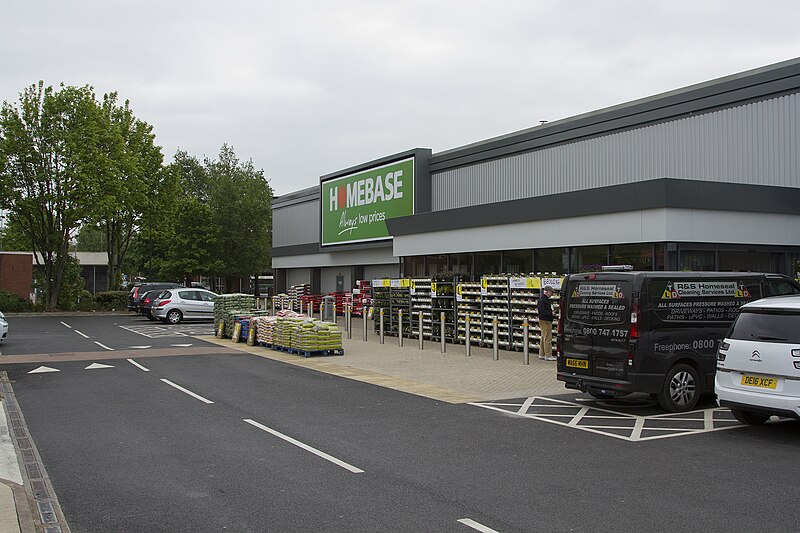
x,y
51,170
135,162
90,239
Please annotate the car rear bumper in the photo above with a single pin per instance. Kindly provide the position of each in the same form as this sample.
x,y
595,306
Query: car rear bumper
x,y
757,401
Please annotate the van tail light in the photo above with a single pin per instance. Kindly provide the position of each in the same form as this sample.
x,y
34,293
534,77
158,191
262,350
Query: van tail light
x,y
630,358
162,303
635,318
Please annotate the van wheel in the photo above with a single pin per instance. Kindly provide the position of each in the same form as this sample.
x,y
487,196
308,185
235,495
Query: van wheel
x,y
681,389
601,396
748,417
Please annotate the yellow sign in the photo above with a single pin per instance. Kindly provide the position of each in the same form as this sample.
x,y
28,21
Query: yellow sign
x,y
533,283
237,332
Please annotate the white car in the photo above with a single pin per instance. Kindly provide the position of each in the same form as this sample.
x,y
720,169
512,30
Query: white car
x,y
3,327
176,305
758,363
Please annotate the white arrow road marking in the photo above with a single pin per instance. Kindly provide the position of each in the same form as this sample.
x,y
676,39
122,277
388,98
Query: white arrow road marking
x,y
137,365
43,369
187,391
306,447
180,345
100,344
85,336
140,347
476,525
64,323
94,366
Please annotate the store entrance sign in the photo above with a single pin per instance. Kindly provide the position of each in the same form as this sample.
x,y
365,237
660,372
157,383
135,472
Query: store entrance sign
x,y
355,207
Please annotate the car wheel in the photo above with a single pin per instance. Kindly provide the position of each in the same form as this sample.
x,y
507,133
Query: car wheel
x,y
174,316
681,389
749,417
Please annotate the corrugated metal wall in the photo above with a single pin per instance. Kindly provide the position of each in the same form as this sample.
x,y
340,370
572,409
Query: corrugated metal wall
x,y
755,143
296,224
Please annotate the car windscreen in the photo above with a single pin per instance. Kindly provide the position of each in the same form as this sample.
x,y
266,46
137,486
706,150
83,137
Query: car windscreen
x,y
600,304
763,326
682,301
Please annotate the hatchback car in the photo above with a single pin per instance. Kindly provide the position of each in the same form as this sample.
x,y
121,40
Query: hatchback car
x,y
3,327
145,306
138,291
175,305
758,363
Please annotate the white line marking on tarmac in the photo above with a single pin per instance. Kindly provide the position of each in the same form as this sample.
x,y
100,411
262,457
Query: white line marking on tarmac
x,y
95,366
306,447
187,391
85,336
477,526
64,323
43,369
180,345
143,347
137,365
100,344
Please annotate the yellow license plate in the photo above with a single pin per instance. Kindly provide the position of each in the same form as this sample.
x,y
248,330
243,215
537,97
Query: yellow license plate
x,y
759,381
577,363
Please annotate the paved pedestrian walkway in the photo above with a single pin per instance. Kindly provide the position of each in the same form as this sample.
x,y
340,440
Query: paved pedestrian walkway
x,y
450,377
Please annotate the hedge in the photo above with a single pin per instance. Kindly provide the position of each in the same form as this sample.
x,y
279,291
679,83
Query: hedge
x,y
13,303
112,300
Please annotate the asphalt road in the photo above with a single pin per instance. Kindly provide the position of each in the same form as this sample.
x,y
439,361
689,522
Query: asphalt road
x,y
128,451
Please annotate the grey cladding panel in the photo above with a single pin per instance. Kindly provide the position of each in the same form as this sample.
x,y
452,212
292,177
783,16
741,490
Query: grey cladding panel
x,y
756,143
296,224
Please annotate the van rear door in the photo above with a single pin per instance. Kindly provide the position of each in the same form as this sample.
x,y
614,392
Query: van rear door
x,y
597,326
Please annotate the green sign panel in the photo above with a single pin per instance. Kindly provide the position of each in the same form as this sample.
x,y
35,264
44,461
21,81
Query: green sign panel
x,y
355,208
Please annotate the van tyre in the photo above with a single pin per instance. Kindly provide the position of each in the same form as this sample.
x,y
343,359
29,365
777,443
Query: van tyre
x,y
174,316
681,389
748,417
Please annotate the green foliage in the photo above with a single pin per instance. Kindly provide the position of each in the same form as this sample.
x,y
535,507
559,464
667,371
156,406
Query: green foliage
x,y
12,303
73,290
111,300
13,238
91,239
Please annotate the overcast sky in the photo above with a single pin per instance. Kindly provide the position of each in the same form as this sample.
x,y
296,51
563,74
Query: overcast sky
x,y
308,88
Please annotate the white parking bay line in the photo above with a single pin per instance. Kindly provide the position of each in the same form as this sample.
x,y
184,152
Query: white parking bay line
x,y
100,344
476,525
84,335
65,324
306,447
137,365
190,393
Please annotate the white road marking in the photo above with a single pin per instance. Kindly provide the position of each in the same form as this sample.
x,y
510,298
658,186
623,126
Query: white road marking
x,y
95,366
187,391
180,345
100,344
137,365
64,323
43,369
306,447
85,336
139,347
477,526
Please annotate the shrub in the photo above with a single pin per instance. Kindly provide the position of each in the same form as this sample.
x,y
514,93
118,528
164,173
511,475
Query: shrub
x,y
111,300
13,303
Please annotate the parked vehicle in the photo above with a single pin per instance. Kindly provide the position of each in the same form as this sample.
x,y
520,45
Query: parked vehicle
x,y
176,305
652,332
3,327
758,362
145,305
138,291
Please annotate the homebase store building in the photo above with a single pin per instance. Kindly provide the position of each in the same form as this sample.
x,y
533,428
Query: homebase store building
x,y
701,178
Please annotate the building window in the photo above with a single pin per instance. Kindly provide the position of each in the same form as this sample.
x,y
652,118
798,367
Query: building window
x,y
414,266
590,258
640,256
697,260
518,261
552,260
461,264
437,264
487,263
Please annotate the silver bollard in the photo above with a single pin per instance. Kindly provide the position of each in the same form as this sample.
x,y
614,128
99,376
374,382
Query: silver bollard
x,y
321,311
273,306
301,307
421,332
495,342
349,322
526,356
466,337
441,332
381,326
364,315
310,309
400,326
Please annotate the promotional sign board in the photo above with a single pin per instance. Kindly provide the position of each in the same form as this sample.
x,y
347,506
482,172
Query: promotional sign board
x,y
355,207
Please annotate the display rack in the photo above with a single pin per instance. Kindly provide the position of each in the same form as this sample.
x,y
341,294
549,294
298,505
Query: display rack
x,y
381,299
524,294
400,299
443,300
362,297
468,302
420,293
495,305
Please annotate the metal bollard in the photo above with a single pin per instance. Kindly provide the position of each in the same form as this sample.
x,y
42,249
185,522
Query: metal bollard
x,y
273,306
321,311
441,331
495,342
466,337
364,315
301,307
381,326
349,322
400,326
421,332
526,356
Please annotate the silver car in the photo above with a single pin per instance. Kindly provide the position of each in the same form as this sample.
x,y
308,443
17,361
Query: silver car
x,y
3,327
175,305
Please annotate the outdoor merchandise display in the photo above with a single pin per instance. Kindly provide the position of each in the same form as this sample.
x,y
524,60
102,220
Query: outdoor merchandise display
x,y
420,293
306,336
227,307
362,297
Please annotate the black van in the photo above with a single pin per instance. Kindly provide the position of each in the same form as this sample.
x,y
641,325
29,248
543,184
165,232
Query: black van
x,y
657,332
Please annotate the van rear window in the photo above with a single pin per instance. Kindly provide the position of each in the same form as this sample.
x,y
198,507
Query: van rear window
x,y
599,303
706,300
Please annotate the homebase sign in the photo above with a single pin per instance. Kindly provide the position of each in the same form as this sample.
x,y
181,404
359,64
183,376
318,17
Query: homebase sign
x,y
355,208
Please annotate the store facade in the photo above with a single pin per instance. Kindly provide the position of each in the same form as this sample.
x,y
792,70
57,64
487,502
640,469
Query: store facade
x,y
701,178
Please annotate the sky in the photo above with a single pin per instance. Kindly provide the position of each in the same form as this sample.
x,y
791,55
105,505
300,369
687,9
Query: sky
x,y
307,88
